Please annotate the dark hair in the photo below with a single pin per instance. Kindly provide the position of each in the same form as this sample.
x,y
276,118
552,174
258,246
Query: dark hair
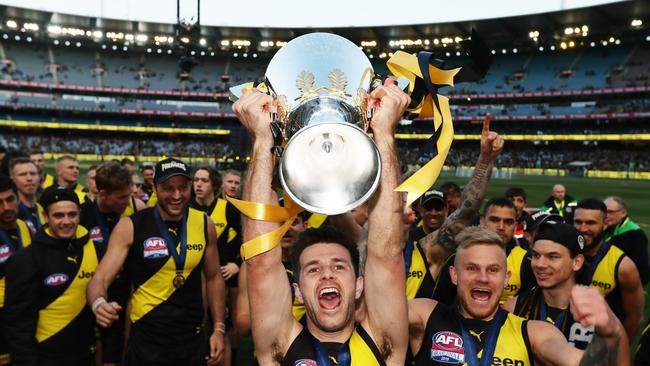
x,y
215,177
125,161
36,152
146,167
592,204
92,167
516,192
326,234
112,176
499,202
19,160
7,184
450,189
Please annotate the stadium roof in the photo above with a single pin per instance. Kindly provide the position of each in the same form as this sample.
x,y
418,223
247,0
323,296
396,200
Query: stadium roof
x,y
608,19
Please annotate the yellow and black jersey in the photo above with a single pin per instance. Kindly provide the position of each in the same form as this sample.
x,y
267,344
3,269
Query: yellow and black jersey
x,y
48,181
363,351
11,241
153,199
162,314
530,305
443,343
521,278
101,224
419,282
45,305
34,217
642,354
604,276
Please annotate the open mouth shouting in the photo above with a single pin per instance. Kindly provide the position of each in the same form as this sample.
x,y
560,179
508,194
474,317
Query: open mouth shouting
x,y
481,295
329,298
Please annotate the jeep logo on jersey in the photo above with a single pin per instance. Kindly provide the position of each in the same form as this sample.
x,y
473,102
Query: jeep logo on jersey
x,y
56,279
96,234
154,247
447,347
5,253
305,362
198,247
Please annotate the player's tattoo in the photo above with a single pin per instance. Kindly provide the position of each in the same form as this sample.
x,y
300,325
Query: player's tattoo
x,y
600,352
471,200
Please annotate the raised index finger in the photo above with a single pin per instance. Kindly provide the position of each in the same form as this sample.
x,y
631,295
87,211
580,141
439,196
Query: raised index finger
x,y
486,124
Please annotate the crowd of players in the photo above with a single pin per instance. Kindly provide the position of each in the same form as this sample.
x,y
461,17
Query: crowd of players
x,y
142,266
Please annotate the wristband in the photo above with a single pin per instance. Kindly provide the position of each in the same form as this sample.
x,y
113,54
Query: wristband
x,y
220,327
98,301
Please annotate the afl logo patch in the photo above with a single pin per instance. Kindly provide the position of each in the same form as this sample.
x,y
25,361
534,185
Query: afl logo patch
x,y
305,362
56,279
154,247
447,347
96,234
5,253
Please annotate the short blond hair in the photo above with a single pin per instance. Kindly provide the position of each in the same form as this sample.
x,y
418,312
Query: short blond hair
x,y
472,235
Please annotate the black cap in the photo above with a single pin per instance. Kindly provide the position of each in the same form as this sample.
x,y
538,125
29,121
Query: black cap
x,y
57,194
563,234
433,195
168,168
533,221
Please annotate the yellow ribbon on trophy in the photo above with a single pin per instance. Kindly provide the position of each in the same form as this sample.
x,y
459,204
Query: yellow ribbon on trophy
x,y
266,212
405,65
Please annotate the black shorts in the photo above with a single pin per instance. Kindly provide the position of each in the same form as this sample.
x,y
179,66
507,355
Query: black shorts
x,y
190,352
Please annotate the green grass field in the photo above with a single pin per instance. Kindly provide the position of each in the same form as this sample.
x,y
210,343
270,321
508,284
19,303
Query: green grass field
x,y
538,188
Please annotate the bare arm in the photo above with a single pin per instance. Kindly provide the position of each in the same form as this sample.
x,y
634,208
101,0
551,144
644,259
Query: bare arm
x,y
472,196
632,296
419,312
384,271
118,248
242,312
216,292
272,324
590,309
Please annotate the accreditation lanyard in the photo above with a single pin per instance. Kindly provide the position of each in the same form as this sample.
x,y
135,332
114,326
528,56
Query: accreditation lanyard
x,y
35,217
408,256
322,359
471,349
597,259
4,238
102,224
180,255
559,319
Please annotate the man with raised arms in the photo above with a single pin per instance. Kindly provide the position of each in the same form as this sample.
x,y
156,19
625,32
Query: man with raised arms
x,y
478,332
326,261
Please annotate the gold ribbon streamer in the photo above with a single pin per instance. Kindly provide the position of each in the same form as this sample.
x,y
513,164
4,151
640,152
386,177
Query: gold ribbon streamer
x,y
266,212
405,65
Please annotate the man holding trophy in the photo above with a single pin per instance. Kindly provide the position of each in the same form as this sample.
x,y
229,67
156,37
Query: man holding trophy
x,y
325,261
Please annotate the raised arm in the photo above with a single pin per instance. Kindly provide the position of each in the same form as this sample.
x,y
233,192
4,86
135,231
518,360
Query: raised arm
x,y
268,290
118,249
590,309
471,198
631,296
384,271
216,293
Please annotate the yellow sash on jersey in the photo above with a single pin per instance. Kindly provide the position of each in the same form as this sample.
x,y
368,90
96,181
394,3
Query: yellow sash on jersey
x,y
48,181
413,280
514,260
152,200
67,307
130,209
360,351
41,214
316,220
604,279
158,288
26,237
510,348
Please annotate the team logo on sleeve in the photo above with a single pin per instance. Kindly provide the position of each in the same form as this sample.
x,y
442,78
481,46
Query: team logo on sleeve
x,y
5,253
447,347
96,234
155,247
56,279
305,362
